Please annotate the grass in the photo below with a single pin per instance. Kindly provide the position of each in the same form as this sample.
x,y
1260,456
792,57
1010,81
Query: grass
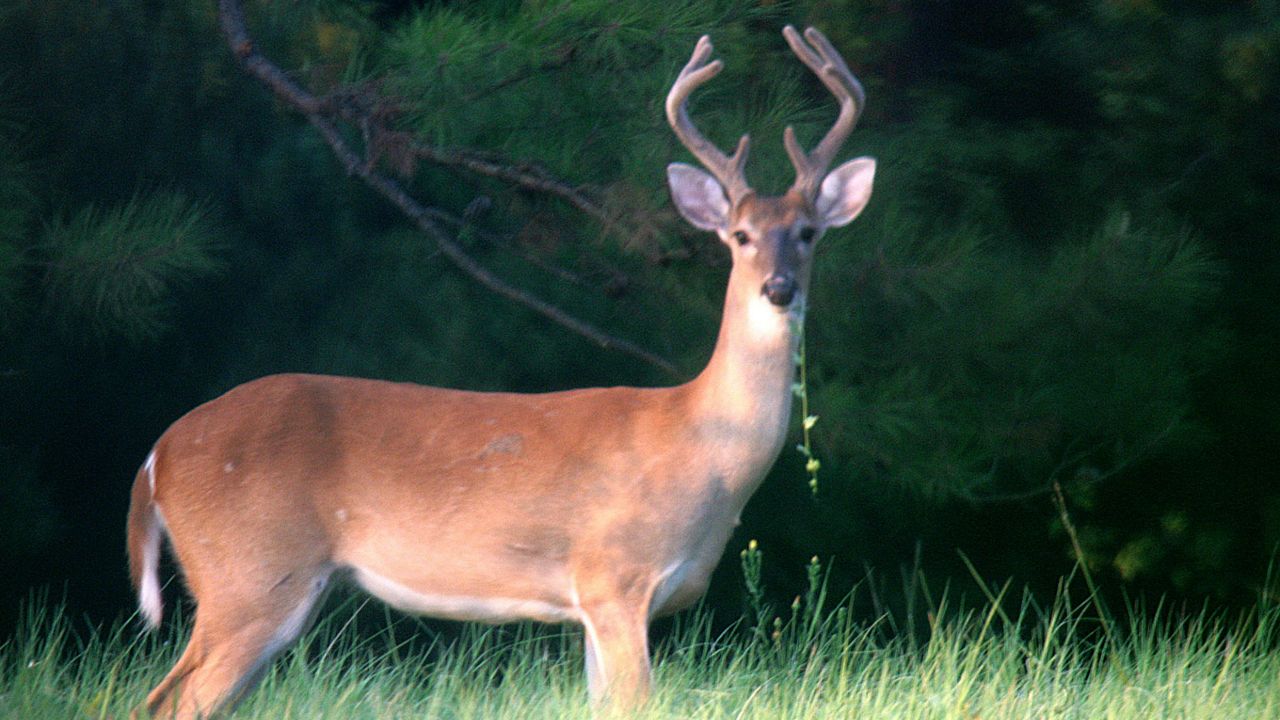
x,y
1005,659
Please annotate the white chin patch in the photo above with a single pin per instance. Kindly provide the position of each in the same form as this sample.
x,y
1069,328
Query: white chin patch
x,y
769,320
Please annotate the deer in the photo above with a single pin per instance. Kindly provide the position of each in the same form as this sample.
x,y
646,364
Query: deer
x,y
602,507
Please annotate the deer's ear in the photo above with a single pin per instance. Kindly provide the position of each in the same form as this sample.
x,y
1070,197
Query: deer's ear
x,y
845,192
698,197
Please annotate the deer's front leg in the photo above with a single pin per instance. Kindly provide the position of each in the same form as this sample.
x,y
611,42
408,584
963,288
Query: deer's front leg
x,y
617,652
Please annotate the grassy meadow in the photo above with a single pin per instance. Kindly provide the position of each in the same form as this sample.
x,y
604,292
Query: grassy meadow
x,y
1007,658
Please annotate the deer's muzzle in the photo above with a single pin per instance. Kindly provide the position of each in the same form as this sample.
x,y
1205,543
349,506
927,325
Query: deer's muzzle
x,y
780,289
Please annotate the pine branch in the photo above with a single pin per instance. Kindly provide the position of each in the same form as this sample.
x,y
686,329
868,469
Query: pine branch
x,y
318,112
111,271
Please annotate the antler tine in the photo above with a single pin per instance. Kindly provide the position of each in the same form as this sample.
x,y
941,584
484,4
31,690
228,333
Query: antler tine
x,y
728,170
824,60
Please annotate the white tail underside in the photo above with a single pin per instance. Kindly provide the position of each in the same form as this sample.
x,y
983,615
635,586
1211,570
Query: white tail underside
x,y
150,603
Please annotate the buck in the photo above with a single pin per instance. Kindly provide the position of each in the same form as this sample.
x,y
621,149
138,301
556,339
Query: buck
x,y
604,507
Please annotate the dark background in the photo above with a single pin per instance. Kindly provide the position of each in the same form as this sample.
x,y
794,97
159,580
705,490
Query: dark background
x,y
1067,274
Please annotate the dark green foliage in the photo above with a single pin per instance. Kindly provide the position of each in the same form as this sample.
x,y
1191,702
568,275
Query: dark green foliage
x,y
113,272
1067,272
977,371
17,206
29,520
10,284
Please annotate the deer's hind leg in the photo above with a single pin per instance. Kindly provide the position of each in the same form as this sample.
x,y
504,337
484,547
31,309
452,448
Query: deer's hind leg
x,y
234,639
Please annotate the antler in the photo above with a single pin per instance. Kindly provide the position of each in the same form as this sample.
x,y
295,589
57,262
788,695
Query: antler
x,y
728,170
825,62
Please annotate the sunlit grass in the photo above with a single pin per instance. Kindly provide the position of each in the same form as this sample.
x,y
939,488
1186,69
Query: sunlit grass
x,y
1008,659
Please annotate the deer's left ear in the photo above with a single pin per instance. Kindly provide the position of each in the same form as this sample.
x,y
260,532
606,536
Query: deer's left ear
x,y
845,192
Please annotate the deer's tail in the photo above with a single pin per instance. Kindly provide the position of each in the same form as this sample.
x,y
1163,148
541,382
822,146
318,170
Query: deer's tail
x,y
145,530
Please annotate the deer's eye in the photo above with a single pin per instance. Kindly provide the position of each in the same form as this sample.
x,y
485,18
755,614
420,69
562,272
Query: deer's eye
x,y
807,234
741,237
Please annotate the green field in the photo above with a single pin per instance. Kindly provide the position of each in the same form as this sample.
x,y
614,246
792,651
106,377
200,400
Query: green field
x,y
1009,658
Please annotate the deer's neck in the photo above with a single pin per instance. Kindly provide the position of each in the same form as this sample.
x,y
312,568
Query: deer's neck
x,y
742,400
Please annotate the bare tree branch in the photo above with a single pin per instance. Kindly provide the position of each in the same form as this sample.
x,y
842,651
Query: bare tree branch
x,y
528,177
231,16
364,107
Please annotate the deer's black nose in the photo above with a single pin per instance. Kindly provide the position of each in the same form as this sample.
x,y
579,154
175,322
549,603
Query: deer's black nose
x,y
780,289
